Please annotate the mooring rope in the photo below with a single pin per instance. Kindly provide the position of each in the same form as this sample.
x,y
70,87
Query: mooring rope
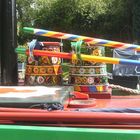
x,y
129,90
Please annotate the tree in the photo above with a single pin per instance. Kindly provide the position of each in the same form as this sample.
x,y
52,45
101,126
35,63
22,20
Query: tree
x,y
136,21
108,19
25,17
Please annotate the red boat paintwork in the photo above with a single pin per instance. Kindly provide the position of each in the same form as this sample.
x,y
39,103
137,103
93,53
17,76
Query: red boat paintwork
x,y
73,117
114,101
79,119
119,102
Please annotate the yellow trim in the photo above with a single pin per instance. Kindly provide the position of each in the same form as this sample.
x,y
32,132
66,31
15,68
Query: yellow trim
x,y
32,74
51,66
99,59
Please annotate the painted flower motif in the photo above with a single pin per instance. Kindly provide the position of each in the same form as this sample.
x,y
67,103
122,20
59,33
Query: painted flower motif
x,y
54,60
81,70
91,71
40,80
42,70
50,70
29,70
45,59
77,80
84,80
97,52
36,70
31,80
97,70
90,80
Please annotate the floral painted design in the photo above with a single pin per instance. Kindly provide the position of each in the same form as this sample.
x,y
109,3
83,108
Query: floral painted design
x,y
45,59
77,80
81,70
40,80
50,70
90,80
91,71
54,60
84,80
42,70
36,70
28,70
97,52
97,70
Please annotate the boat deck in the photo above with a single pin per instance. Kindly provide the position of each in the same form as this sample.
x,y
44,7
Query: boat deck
x,y
24,94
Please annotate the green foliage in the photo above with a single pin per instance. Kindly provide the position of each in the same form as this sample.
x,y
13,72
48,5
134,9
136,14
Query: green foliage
x,y
136,21
109,19
24,17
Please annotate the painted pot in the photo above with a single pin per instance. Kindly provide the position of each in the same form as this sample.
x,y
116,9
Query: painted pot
x,y
43,70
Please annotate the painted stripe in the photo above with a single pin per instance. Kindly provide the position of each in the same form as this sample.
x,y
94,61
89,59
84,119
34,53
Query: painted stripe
x,y
73,37
48,34
101,42
129,62
89,40
92,89
40,32
106,43
99,59
95,88
58,35
130,48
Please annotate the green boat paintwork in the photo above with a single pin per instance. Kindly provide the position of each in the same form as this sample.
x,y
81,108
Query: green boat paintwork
x,y
15,132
